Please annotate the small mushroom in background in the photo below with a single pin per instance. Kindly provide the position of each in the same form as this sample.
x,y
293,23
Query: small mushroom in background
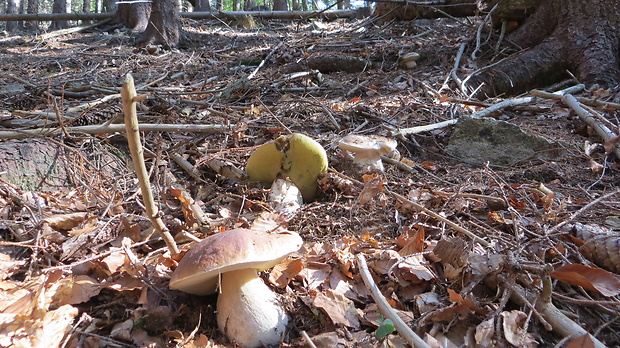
x,y
294,156
367,150
408,60
247,310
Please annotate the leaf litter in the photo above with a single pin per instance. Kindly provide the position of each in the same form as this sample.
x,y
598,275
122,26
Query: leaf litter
x,y
83,267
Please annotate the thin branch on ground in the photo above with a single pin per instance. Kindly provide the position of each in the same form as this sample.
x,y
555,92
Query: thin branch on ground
x,y
130,98
402,328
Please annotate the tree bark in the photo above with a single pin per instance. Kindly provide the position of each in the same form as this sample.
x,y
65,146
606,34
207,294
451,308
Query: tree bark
x,y
579,36
86,9
32,7
12,7
201,5
164,24
109,5
395,10
280,5
134,16
61,6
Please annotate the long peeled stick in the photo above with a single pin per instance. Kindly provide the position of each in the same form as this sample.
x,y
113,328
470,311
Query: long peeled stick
x,y
402,327
129,97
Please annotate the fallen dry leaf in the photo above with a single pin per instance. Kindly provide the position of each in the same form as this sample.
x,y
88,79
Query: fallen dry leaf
x,y
316,274
340,309
66,221
373,184
416,269
484,333
584,341
414,244
286,270
8,266
457,298
186,202
449,314
115,261
514,325
590,278
74,290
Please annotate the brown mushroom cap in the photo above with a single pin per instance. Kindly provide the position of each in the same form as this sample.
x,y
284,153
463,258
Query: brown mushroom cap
x,y
199,270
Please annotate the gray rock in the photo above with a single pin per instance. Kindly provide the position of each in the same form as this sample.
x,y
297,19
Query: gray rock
x,y
479,140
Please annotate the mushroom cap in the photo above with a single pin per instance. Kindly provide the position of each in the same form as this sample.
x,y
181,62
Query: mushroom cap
x,y
372,144
198,272
295,156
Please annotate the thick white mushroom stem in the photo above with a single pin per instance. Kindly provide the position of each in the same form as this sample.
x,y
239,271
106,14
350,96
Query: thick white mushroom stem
x,y
368,161
248,311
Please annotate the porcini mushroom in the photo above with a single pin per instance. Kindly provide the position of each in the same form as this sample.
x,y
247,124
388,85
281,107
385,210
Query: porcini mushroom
x,y
408,60
367,150
247,310
295,156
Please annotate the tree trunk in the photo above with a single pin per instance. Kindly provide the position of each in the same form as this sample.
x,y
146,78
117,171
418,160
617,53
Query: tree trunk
x,y
164,24
248,5
134,16
12,7
86,9
390,10
579,36
201,5
61,6
109,5
32,7
280,5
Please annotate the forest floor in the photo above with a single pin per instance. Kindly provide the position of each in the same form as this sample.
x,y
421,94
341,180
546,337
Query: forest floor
x,y
81,266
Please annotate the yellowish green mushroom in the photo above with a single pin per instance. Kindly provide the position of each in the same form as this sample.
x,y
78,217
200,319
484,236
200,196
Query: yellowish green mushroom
x,y
295,156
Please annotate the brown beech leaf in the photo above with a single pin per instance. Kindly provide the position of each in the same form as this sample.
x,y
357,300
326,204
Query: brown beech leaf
x,y
74,290
457,298
186,202
448,314
340,309
515,331
283,272
414,244
373,184
66,221
590,278
584,341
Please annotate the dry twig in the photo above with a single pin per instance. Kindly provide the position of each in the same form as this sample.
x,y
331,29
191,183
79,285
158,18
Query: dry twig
x,y
402,328
130,98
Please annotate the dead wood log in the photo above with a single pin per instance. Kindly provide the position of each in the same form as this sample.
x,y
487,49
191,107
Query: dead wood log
x,y
191,15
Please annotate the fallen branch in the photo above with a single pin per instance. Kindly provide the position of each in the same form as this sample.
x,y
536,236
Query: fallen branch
x,y
262,63
602,130
558,320
402,328
130,98
582,100
483,113
333,14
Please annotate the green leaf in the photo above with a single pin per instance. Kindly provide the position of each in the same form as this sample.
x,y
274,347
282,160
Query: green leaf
x,y
386,328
